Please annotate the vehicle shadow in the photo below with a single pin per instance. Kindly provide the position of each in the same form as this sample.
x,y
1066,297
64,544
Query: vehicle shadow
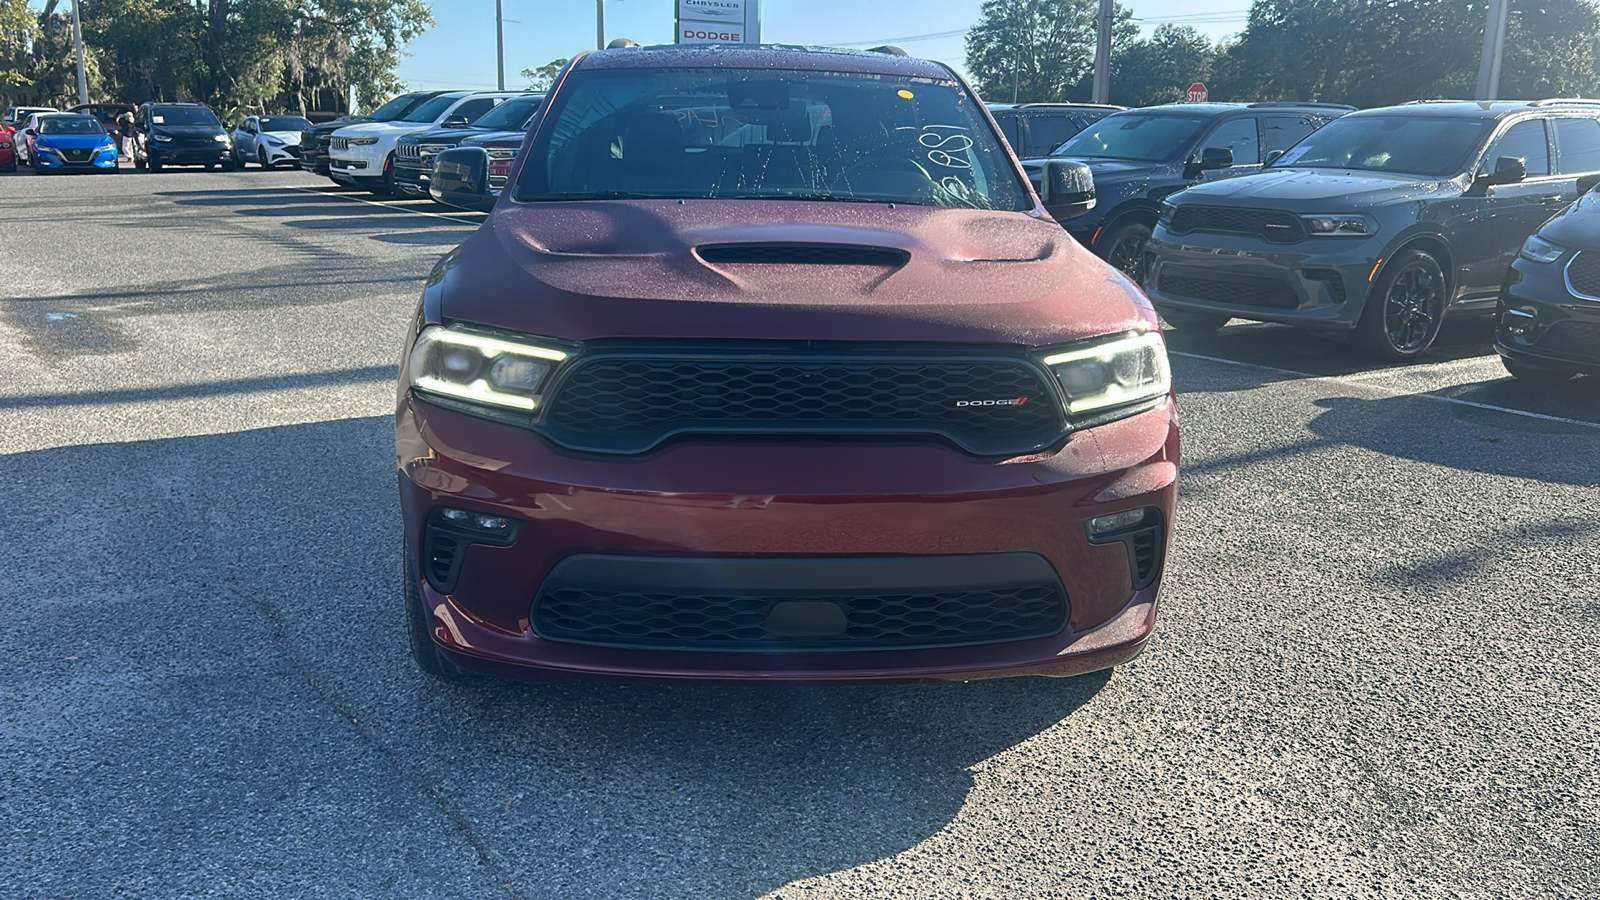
x,y
1296,350
215,621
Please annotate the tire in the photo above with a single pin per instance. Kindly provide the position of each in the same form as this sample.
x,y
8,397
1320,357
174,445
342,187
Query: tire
x,y
261,159
1405,308
155,164
386,186
1123,247
1537,375
419,630
1187,322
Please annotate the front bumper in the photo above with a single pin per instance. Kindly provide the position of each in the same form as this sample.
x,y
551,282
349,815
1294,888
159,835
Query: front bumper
x,y
1319,283
47,161
280,153
722,505
353,164
413,176
1542,323
214,154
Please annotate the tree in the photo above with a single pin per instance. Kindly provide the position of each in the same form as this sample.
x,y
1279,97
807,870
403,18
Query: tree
x,y
544,77
17,25
1039,50
1160,70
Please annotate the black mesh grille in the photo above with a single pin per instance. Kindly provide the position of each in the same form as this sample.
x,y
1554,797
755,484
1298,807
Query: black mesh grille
x,y
804,254
741,621
77,154
1584,273
1232,291
1574,340
1268,224
441,555
629,404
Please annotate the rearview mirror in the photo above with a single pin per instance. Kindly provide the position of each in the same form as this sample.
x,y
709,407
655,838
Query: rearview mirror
x,y
1066,188
461,179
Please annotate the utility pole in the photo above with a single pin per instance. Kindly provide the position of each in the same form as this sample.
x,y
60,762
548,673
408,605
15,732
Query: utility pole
x,y
599,24
500,39
1102,53
1494,45
77,41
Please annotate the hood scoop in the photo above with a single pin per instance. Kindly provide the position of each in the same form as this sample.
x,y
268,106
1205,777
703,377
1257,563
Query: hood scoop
x,y
803,255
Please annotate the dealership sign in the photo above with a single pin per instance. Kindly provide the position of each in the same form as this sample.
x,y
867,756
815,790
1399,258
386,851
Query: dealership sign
x,y
719,21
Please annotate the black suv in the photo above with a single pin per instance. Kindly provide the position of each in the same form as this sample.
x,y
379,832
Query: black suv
x,y
179,134
1141,156
1035,129
1549,311
314,140
1378,226
414,153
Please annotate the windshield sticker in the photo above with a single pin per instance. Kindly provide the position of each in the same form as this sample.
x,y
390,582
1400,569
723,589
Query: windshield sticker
x,y
159,120
905,95
1288,159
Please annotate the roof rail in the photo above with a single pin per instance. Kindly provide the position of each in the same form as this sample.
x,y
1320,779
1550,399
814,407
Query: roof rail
x,y
1065,103
1439,100
1566,101
1269,104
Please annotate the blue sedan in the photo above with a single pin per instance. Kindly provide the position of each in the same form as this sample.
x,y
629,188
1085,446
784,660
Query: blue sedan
x,y
66,142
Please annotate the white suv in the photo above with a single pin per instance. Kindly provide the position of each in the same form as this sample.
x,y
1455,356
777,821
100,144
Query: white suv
x,y
363,155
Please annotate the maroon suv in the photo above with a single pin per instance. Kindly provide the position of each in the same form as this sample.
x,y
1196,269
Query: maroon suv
x,y
770,365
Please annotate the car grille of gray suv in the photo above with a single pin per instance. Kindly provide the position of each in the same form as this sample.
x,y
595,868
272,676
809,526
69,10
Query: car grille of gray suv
x,y
1268,224
628,402
1583,274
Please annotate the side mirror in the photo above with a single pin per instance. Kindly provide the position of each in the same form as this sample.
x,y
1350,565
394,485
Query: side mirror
x,y
1067,188
1509,170
1273,156
1210,158
461,179
455,122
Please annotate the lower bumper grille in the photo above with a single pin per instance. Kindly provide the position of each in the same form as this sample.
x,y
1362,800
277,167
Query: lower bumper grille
x,y
1573,340
1234,290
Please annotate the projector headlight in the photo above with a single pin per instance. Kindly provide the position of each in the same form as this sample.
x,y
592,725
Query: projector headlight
x,y
1128,372
480,368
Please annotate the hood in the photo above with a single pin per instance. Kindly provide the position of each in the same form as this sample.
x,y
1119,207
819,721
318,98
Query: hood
x,y
1578,225
442,135
287,137
336,124
1315,190
629,268
72,141
380,129
495,139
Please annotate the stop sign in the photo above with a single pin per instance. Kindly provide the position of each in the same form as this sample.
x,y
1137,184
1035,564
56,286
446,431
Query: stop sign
x,y
1198,93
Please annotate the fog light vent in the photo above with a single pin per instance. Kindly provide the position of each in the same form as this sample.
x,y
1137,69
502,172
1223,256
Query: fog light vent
x,y
1140,531
449,532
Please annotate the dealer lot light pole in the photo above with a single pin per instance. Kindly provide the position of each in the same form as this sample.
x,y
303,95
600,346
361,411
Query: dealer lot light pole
x,y
1494,45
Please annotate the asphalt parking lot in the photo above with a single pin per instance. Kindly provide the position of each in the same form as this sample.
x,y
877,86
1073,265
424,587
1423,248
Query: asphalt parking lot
x,y
1376,672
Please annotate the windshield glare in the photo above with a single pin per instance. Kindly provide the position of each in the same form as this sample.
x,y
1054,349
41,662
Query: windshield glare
x,y
183,115
512,115
70,125
284,123
698,133
1413,145
1144,138
430,111
395,108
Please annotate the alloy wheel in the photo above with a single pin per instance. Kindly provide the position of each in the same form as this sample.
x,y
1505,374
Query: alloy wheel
x,y
1413,307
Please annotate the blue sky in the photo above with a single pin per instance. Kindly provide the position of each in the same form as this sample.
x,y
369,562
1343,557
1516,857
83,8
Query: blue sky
x,y
459,51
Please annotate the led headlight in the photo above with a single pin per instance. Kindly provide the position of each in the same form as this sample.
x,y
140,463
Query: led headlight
x,y
1339,225
1122,372
362,141
1537,249
482,368
162,137
1167,212
220,138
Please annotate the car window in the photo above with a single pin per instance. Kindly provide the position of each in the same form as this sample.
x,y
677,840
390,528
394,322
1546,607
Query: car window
x,y
1134,136
1045,133
1577,145
282,123
429,111
1009,128
758,133
1415,145
1284,132
1238,135
183,115
1525,141
395,108
472,109
512,115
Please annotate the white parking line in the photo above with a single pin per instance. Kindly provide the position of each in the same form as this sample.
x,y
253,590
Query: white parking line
x,y
408,212
1336,379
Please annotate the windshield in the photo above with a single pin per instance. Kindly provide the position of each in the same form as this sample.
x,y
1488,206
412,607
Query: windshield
x,y
396,108
71,125
1145,138
431,110
183,115
512,115
1413,145
284,123
703,133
